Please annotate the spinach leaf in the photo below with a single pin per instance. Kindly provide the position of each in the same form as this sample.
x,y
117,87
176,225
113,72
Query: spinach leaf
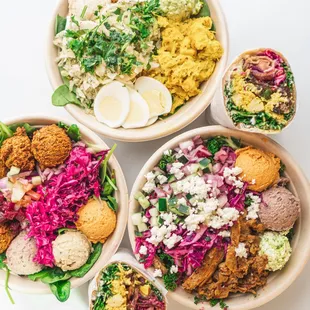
x,y
29,129
5,132
112,203
61,290
205,10
63,96
81,272
72,131
104,165
50,275
60,24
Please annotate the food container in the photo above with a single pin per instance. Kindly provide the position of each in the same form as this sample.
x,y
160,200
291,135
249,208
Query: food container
x,y
277,282
183,117
23,284
125,256
218,113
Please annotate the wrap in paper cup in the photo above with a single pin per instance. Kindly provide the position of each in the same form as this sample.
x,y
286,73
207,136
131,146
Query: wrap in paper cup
x,y
124,256
257,94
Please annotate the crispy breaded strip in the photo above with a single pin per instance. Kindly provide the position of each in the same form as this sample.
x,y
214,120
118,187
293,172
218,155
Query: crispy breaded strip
x,y
202,274
231,260
159,265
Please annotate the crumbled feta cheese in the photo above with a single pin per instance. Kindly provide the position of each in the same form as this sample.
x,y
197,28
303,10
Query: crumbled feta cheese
x,y
223,217
224,234
174,269
145,219
253,181
157,273
143,250
182,201
253,209
193,220
149,187
232,171
175,170
162,179
241,250
170,243
194,185
150,176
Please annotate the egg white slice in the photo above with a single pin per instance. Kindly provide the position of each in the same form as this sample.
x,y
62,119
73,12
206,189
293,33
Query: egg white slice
x,y
112,104
139,113
151,121
156,95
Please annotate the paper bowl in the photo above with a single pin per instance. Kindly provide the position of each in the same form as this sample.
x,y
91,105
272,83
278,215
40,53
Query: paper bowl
x,y
278,282
218,113
184,116
23,284
126,257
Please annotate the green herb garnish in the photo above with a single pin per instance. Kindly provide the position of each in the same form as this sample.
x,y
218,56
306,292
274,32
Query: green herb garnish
x,y
170,281
4,266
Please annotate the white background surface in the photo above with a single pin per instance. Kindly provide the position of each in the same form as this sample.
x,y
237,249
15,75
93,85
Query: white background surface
x,y
281,24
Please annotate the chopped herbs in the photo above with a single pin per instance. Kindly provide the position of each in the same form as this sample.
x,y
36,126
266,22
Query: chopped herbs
x,y
289,76
222,304
170,281
199,299
109,44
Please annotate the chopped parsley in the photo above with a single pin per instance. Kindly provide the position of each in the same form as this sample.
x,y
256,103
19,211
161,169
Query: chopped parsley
x,y
170,281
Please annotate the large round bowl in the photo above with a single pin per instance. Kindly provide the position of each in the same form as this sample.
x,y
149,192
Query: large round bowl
x,y
184,116
278,282
23,284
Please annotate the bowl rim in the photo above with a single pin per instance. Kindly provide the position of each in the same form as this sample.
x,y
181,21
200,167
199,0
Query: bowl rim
x,y
304,254
113,241
164,127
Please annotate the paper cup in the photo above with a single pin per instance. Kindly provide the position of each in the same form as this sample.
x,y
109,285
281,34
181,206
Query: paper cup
x,y
218,113
124,256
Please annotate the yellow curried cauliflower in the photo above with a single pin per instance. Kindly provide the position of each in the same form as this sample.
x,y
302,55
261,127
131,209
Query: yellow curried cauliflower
x,y
187,57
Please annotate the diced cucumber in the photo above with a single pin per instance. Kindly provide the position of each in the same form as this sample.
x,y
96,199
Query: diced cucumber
x,y
142,227
154,212
183,159
136,219
184,209
154,221
143,201
160,221
162,207
175,210
189,196
171,178
208,169
172,202
204,163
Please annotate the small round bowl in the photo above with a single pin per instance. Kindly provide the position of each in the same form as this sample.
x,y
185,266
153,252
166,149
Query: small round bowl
x,y
278,282
23,284
183,117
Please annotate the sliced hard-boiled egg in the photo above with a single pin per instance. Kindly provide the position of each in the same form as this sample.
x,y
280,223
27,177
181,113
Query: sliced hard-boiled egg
x,y
155,94
112,104
139,111
151,121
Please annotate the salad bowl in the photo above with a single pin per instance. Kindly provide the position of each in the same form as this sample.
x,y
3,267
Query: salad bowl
x,y
278,281
166,126
25,285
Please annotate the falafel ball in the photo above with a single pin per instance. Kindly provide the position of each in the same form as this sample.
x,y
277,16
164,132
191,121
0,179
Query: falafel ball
x,y
3,168
16,151
51,146
6,236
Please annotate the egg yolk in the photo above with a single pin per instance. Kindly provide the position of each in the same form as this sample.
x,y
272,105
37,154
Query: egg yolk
x,y
155,101
110,108
135,113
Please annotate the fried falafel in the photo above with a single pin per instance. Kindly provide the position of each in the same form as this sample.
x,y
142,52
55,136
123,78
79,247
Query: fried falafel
x,y
16,151
6,237
51,146
3,168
